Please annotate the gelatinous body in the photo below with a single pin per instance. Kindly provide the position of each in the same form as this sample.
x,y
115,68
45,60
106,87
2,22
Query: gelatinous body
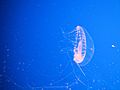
x,y
83,46
80,45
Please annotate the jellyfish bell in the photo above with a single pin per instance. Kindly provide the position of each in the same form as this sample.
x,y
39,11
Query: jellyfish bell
x,y
83,47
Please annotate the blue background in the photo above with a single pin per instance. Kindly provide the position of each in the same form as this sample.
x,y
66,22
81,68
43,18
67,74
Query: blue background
x,y
33,48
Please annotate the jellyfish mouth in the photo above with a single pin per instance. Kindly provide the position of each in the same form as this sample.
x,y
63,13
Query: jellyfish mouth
x,y
78,58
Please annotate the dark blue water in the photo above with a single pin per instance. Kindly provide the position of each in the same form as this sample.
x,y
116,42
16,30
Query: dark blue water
x,y
37,55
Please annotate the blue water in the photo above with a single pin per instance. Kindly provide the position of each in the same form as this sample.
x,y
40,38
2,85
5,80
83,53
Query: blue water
x,y
36,54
